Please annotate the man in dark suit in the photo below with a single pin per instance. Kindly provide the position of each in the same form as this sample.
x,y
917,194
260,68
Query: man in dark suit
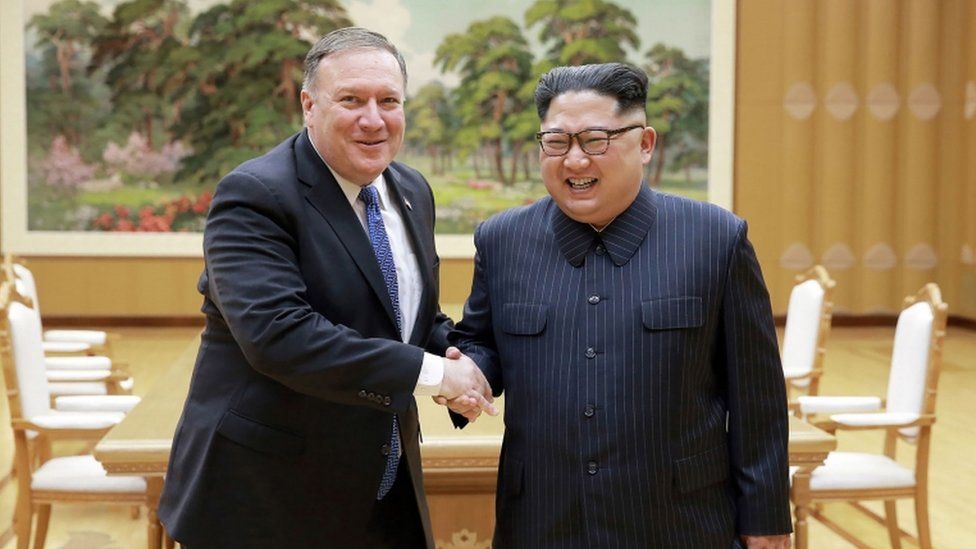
x,y
632,335
321,299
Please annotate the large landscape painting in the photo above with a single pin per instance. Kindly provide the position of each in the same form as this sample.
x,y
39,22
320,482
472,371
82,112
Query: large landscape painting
x,y
135,108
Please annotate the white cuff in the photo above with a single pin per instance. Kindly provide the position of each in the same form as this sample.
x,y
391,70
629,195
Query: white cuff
x,y
431,375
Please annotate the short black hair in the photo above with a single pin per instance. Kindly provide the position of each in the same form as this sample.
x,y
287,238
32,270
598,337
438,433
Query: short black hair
x,y
625,83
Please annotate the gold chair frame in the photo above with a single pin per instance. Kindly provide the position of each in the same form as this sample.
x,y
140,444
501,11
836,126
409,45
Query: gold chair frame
x,y
119,372
819,274
930,294
30,454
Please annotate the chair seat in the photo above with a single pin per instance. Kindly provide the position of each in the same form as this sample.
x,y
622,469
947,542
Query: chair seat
x,y
78,363
58,388
858,471
77,375
92,337
65,347
82,474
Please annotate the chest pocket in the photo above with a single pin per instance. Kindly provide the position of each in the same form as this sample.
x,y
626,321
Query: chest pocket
x,y
523,318
671,313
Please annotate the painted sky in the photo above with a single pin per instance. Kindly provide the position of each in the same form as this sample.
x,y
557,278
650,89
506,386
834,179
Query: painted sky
x,y
418,26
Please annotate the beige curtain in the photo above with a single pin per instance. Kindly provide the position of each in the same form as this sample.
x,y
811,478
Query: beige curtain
x,y
856,146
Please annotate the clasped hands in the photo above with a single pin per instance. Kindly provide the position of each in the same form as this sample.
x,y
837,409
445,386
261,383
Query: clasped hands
x,y
464,388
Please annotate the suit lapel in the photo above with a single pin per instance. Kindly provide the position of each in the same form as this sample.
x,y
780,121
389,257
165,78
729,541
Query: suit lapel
x,y
325,195
410,208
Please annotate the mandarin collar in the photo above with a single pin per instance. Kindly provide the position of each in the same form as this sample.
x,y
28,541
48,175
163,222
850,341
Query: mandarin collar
x,y
621,237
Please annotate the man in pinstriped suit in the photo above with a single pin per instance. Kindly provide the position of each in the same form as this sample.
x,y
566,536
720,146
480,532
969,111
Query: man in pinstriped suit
x,y
631,332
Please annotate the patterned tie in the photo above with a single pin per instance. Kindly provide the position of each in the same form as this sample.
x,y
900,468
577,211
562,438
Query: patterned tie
x,y
384,256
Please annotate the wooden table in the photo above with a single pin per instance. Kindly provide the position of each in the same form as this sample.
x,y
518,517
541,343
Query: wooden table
x,y
459,468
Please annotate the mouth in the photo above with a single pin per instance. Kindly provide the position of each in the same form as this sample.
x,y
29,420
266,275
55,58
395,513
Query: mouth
x,y
371,143
581,183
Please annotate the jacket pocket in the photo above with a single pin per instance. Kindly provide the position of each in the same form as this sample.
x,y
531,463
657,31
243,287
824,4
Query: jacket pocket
x,y
671,313
701,470
523,318
260,437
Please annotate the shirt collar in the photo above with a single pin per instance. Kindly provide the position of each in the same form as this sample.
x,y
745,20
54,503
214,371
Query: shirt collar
x,y
621,237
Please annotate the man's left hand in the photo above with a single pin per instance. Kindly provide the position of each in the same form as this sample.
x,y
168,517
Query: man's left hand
x,y
767,542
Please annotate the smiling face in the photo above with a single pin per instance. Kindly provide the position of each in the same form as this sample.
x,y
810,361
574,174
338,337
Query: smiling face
x,y
595,189
354,112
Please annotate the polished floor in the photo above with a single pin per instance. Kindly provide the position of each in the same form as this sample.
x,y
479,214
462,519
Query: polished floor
x,y
856,363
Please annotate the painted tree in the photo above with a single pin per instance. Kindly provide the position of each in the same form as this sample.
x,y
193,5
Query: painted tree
x,y
243,77
63,103
138,52
494,62
583,31
677,107
432,124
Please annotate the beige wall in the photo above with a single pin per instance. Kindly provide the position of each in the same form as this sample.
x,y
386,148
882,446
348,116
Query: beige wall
x,y
115,287
856,146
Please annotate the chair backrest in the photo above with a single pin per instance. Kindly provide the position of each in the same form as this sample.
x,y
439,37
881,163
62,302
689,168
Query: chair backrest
x,y
29,287
917,355
808,319
23,354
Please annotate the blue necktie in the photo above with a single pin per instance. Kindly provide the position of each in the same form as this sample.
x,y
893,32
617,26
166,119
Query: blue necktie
x,y
384,256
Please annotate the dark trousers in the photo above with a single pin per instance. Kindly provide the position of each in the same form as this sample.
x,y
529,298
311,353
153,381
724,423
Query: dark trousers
x,y
395,521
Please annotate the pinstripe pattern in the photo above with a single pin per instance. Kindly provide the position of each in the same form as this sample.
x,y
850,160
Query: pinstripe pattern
x,y
622,356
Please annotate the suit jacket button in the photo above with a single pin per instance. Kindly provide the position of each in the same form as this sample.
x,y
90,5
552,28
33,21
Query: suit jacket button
x,y
591,468
362,394
600,249
593,299
387,400
589,410
590,352
385,449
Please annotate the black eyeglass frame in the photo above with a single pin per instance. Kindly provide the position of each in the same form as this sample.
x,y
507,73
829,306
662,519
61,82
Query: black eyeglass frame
x,y
610,135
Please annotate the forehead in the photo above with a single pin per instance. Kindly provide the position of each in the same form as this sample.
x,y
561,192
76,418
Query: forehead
x,y
360,69
576,110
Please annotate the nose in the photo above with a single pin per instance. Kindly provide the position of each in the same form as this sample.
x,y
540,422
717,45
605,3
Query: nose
x,y
575,158
370,119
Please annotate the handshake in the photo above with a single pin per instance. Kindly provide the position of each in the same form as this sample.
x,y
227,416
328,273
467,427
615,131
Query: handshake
x,y
464,388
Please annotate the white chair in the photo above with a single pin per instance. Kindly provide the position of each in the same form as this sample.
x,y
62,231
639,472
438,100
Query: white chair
x,y
808,318
907,415
72,375
60,341
41,478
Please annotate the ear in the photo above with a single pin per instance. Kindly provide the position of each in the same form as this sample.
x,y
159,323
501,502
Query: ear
x,y
307,102
648,140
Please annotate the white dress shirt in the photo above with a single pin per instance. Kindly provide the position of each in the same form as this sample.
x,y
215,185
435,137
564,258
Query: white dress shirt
x,y
409,282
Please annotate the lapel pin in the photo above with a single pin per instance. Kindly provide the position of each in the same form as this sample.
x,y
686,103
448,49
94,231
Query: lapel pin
x,y
409,205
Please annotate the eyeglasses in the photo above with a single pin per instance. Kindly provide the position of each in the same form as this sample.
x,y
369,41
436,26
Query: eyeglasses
x,y
593,141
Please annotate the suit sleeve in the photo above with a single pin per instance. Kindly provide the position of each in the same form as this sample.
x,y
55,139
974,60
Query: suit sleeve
x,y
758,423
474,335
255,281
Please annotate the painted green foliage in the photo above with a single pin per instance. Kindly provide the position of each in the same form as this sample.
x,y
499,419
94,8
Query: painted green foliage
x,y
134,116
